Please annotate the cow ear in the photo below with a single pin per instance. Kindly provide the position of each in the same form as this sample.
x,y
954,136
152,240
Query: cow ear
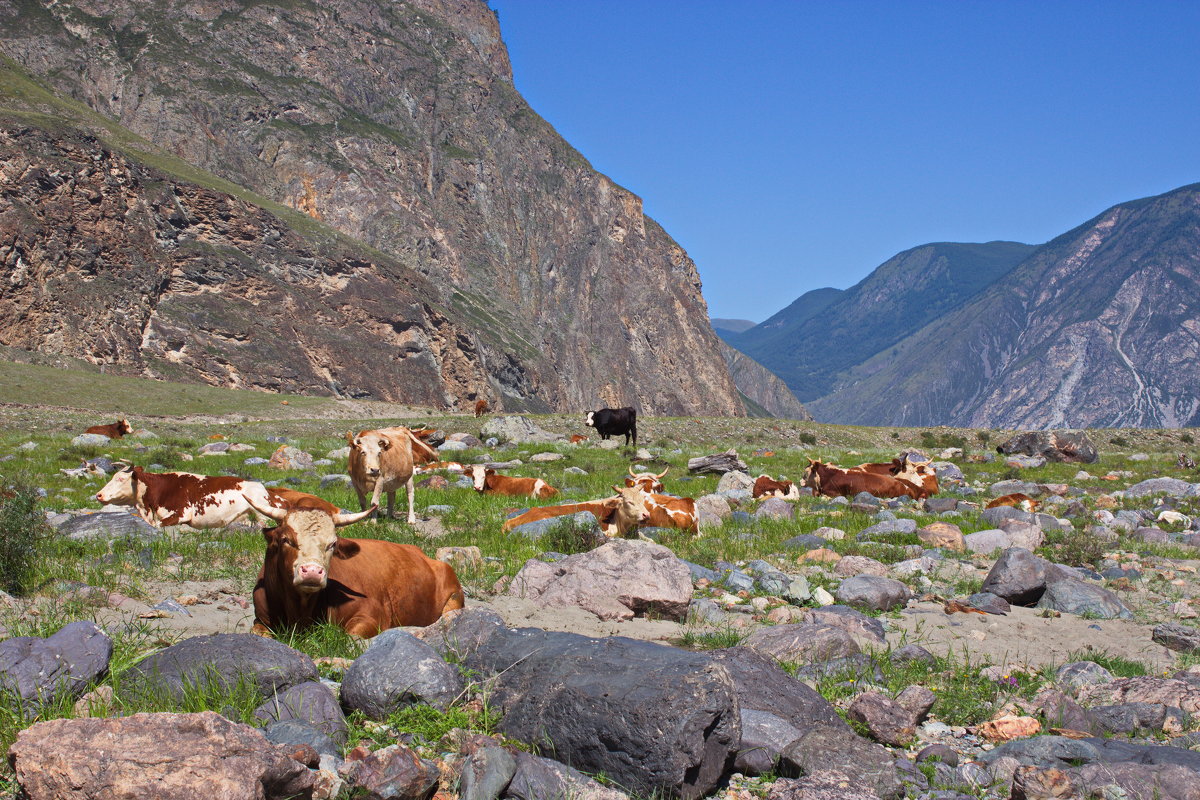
x,y
346,548
269,535
349,437
385,444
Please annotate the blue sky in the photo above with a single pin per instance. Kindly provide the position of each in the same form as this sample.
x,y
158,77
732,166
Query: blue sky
x,y
794,145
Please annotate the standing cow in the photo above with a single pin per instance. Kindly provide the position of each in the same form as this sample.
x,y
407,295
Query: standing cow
x,y
614,422
382,461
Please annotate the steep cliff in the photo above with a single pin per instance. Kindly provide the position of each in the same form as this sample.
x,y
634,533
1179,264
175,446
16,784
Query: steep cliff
x,y
397,124
763,388
1098,328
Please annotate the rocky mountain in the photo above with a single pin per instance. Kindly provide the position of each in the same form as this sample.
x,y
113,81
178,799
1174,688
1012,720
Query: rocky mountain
x,y
731,325
812,342
1099,327
765,393
362,177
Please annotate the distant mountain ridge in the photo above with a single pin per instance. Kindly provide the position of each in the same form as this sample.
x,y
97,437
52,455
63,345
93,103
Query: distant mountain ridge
x,y
731,325
828,331
1099,327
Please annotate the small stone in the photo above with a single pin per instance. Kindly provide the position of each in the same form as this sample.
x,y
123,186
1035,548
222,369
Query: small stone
x,y
1009,727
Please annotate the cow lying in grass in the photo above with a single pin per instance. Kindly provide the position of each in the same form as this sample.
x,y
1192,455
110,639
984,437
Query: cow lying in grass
x,y
618,516
311,575
766,486
648,481
906,468
1021,501
488,481
113,431
831,481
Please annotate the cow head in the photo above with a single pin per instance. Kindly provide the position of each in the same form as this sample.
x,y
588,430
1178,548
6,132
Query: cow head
x,y
370,446
590,419
479,474
307,540
631,506
919,473
124,427
648,481
121,489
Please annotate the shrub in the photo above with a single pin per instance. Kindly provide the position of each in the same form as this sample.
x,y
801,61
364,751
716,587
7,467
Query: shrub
x,y
1080,549
570,536
1119,441
1186,438
808,438
22,530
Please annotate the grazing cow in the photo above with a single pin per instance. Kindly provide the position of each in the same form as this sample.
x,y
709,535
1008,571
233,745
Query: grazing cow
x,y
481,407
832,481
382,461
114,431
766,486
1022,501
312,575
182,498
487,481
671,512
617,515
649,481
614,422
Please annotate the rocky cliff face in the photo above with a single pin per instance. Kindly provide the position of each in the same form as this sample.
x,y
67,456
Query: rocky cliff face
x,y
1097,328
396,123
763,387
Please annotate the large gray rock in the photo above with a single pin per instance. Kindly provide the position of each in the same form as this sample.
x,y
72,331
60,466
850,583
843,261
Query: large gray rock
x,y
1077,674
538,778
1169,486
107,525
872,592
1136,781
154,756
802,642
1020,577
296,732
851,620
775,508
582,522
36,670
517,429
1073,596
652,718
1071,446
312,703
735,481
399,670
221,660
618,580
486,773
90,440
889,527
868,766
1001,488
1181,638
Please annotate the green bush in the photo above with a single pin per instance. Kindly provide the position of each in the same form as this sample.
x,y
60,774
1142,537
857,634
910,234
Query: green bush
x,y
22,530
570,536
808,438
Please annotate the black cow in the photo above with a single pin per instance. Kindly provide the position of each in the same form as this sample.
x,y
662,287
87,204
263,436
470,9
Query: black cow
x,y
614,422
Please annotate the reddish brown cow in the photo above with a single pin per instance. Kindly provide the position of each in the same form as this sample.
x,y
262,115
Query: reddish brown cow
x,y
576,438
618,515
311,575
766,486
481,407
833,481
920,473
114,431
287,498
649,481
488,481
1021,501
671,512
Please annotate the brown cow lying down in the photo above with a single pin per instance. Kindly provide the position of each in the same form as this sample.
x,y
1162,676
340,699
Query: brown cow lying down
x,y
920,473
488,481
649,481
114,431
311,575
666,511
832,481
766,486
618,515
1021,501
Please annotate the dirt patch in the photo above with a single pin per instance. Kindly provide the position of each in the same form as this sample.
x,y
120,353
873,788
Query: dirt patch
x,y
218,608
521,613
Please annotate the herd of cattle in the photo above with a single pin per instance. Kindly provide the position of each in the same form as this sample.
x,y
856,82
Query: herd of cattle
x,y
311,574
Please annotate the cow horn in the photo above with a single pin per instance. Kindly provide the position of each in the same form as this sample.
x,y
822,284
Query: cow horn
x,y
632,474
664,472
343,519
277,514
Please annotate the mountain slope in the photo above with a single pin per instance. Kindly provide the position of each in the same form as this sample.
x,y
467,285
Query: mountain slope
x,y
762,387
397,125
1099,327
731,325
822,334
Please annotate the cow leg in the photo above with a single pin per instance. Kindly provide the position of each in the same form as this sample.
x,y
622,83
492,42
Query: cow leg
x,y
362,626
262,630
391,504
409,489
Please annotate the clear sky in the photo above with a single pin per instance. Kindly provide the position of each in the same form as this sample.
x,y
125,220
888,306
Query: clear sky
x,y
793,145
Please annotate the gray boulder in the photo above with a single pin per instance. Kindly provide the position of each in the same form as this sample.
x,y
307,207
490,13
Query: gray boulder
x,y
881,530
486,773
221,660
867,765
517,429
989,603
1002,488
1181,638
35,670
592,703
90,440
802,642
584,522
1077,674
399,670
1069,446
1073,596
1169,486
872,592
1019,577
775,508
107,525
294,732
537,778
312,703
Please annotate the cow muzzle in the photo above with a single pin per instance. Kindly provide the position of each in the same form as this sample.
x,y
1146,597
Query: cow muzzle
x,y
309,577
374,473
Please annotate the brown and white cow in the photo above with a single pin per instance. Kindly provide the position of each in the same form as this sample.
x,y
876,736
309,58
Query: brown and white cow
x,y
440,466
488,481
114,431
920,473
481,407
649,481
831,481
312,575
183,498
381,461
618,515
1020,501
766,486
666,511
